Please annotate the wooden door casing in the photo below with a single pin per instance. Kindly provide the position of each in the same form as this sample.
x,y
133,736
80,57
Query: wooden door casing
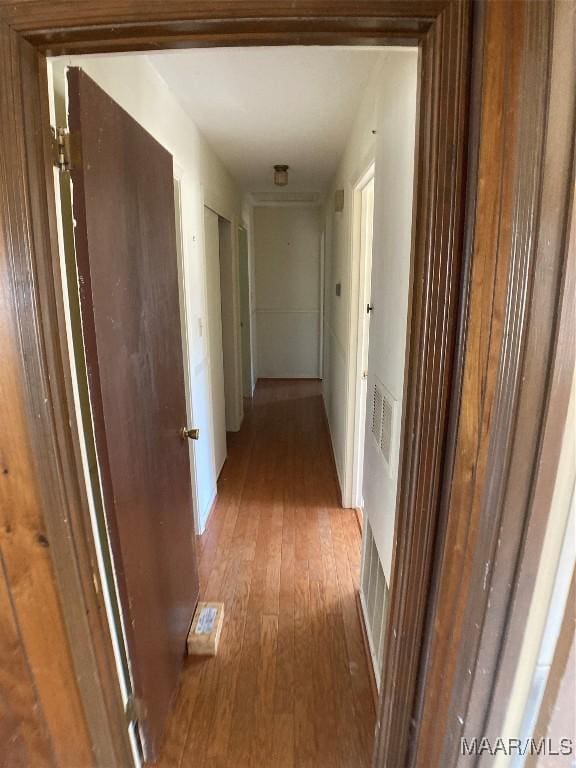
x,y
31,310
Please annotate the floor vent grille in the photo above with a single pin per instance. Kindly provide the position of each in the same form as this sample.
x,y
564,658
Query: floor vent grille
x,y
374,599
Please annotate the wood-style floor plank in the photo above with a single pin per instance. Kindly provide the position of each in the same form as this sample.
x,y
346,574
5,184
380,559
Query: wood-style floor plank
x,y
289,687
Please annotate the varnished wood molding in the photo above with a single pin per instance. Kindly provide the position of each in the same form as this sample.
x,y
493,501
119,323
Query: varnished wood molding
x,y
31,543
27,15
436,286
480,431
44,494
493,527
75,27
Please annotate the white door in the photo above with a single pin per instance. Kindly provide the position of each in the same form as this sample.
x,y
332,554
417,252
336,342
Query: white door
x,y
366,237
184,322
216,358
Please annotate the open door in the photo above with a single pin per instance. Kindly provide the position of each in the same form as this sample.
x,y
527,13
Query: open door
x,y
125,240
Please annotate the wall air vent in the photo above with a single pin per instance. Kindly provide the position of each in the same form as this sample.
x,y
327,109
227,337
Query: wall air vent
x,y
384,422
377,400
387,426
374,599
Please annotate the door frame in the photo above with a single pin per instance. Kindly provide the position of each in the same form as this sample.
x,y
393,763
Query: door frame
x,y
239,230
187,331
466,281
220,209
353,481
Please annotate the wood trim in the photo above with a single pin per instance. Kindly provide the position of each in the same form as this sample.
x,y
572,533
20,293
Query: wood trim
x,y
436,284
548,345
489,550
460,445
77,684
30,481
76,27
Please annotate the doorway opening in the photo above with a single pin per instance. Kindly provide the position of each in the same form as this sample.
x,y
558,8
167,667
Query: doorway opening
x,y
272,290
224,339
456,251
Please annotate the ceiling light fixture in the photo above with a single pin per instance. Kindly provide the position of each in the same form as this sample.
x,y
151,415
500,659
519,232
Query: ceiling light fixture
x,y
281,175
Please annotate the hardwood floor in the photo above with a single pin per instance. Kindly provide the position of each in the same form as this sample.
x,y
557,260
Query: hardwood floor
x,y
290,685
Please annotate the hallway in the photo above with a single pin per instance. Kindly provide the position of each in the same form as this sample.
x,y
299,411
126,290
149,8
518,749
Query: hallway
x,y
290,685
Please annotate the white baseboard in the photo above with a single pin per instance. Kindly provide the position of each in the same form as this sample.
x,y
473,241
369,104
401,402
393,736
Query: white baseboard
x,y
373,655
208,511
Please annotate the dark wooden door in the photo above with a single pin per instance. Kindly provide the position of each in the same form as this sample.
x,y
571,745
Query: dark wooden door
x,y
123,193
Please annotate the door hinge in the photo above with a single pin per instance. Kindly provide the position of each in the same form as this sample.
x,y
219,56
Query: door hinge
x,y
65,151
135,709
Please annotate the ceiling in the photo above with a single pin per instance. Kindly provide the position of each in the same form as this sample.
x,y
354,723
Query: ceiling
x,y
258,107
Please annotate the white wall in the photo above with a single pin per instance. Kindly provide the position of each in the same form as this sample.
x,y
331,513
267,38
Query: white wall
x,y
230,318
384,132
288,301
391,269
358,155
139,89
215,346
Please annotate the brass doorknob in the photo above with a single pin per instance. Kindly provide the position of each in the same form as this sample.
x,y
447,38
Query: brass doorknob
x,y
191,434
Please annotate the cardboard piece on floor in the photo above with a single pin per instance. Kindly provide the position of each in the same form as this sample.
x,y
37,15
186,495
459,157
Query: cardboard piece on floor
x,y
205,631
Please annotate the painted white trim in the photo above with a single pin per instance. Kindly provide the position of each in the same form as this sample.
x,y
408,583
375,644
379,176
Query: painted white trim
x,y
321,309
238,396
248,224
243,228
117,633
211,201
352,490
289,311
336,462
207,359
186,332
373,653
136,755
288,203
207,512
